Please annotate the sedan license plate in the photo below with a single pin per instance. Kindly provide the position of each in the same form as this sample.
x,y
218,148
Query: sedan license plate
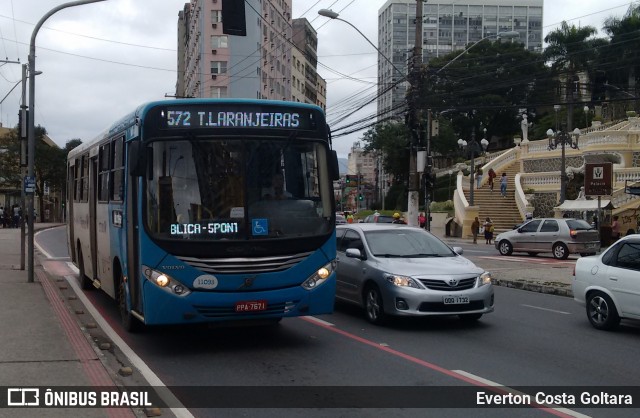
x,y
455,300
591,245
251,306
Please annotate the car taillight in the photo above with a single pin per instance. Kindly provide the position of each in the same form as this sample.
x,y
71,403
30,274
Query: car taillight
x,y
573,233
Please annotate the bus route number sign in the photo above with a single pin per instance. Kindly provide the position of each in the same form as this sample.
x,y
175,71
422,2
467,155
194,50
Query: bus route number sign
x,y
199,117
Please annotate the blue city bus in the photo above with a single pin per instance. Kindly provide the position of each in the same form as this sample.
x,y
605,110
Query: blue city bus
x,y
174,212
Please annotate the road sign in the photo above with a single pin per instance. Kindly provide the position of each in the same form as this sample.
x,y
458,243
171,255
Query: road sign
x,y
598,179
29,184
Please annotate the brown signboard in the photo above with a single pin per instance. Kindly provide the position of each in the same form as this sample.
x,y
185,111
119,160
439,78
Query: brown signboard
x,y
598,179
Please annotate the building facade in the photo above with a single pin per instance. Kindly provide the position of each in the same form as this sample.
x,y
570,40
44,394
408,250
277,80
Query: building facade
x,y
307,85
213,64
447,26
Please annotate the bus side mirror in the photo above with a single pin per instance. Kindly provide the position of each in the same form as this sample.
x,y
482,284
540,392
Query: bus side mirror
x,y
335,169
137,159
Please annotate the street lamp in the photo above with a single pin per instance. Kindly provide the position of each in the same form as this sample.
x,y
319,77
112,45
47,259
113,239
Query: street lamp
x,y
450,190
333,15
473,149
562,139
586,116
31,141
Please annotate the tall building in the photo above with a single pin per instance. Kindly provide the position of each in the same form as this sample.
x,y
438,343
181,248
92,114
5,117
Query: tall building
x,y
307,85
447,26
214,64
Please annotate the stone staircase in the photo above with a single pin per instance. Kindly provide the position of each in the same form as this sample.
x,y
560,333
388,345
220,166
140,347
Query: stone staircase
x,y
502,211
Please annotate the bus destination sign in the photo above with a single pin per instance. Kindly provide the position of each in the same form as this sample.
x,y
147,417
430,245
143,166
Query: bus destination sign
x,y
203,117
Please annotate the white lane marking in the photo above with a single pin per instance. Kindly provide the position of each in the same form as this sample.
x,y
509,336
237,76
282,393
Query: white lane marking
x,y
516,392
546,309
164,393
36,245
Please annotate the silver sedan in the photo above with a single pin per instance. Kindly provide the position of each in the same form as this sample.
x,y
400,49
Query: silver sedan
x,y
398,270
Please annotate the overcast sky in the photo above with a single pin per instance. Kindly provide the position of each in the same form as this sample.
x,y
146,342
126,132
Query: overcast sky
x,y
99,61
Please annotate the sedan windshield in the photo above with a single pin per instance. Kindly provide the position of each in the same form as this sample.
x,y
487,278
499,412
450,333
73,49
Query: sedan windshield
x,y
238,189
406,243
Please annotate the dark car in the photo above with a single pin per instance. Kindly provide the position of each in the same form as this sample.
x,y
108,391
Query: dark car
x,y
399,270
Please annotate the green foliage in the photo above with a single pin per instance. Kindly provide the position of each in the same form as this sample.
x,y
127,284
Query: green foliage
x,y
391,140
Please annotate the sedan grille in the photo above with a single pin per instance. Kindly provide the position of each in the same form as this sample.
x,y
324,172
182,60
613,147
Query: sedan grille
x,y
245,265
446,286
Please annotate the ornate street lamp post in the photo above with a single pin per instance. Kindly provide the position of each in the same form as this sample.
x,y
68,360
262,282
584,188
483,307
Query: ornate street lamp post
x,y
562,138
473,150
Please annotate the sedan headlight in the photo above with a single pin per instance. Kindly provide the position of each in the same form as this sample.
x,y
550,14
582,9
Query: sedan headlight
x,y
319,276
402,281
484,278
165,282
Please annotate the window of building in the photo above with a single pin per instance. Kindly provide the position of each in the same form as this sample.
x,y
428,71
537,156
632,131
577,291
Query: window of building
x,y
216,16
219,41
218,92
218,67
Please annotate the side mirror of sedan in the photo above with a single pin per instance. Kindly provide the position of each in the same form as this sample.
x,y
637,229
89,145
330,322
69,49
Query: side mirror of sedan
x,y
354,253
458,250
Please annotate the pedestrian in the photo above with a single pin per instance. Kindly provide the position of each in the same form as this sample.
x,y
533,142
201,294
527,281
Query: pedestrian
x,y
2,216
478,177
475,229
16,216
503,185
422,220
397,219
350,218
615,228
492,176
488,230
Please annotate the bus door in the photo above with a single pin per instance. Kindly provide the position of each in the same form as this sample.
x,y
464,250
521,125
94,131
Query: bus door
x,y
132,209
93,198
71,187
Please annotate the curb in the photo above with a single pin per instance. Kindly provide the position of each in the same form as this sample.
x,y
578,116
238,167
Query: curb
x,y
531,286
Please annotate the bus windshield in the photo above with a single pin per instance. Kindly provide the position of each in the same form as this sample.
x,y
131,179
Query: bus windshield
x,y
250,188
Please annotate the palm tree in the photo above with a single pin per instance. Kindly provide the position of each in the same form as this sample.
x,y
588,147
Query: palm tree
x,y
570,52
622,59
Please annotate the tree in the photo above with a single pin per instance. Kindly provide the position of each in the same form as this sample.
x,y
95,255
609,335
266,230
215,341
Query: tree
x,y
49,163
571,50
484,88
621,59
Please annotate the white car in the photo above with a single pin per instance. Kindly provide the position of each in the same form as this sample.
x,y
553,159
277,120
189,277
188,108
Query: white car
x,y
609,284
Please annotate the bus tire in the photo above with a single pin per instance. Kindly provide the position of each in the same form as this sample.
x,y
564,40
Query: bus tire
x,y
129,322
85,282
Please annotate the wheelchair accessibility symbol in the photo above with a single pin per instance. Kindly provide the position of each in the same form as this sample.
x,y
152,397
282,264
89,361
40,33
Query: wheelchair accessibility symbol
x,y
260,226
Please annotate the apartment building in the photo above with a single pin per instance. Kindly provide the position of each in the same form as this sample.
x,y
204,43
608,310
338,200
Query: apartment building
x,y
214,64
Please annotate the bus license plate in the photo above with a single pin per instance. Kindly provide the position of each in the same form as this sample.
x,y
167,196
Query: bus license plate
x,y
455,300
251,306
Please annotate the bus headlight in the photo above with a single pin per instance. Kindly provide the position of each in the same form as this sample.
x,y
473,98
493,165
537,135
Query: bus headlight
x,y
319,276
484,278
165,282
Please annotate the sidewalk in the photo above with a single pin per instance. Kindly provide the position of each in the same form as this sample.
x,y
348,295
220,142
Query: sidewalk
x,y
42,344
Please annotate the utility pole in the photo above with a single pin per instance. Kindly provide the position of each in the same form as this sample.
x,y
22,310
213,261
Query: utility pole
x,y
415,126
23,159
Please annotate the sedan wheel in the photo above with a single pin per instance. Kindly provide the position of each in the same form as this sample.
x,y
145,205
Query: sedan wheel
x,y
373,305
601,311
505,247
560,251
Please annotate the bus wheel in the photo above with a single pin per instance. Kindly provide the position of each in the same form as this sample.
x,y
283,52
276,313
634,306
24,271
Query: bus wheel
x,y
85,282
129,322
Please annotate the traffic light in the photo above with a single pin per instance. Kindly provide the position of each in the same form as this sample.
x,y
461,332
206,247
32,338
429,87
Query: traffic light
x,y
360,197
428,181
348,179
